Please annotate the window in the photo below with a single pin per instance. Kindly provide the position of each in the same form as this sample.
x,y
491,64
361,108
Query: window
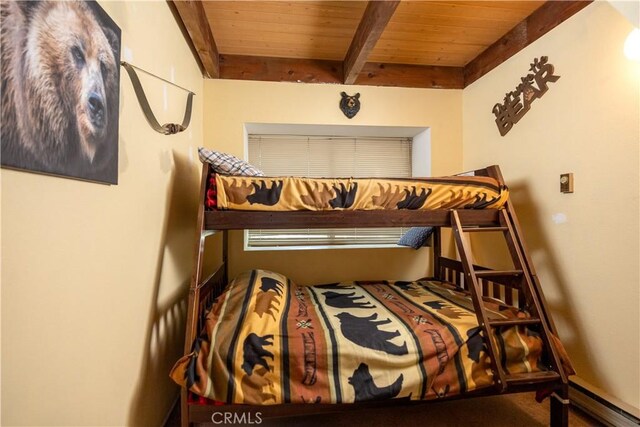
x,y
320,156
331,156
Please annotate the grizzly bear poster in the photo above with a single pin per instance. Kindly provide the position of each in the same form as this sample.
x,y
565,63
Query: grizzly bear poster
x,y
60,89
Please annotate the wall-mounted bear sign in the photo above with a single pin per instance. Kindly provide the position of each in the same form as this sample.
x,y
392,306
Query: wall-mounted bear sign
x,y
60,81
350,105
531,87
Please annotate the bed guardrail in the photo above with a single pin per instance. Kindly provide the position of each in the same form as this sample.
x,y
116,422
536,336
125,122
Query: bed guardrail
x,y
503,288
209,290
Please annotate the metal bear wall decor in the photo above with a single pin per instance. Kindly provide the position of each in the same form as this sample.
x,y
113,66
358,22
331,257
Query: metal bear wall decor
x,y
513,108
350,105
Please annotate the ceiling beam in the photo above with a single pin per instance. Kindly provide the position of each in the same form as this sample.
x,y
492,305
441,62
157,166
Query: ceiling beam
x,y
240,67
195,21
375,19
541,21
404,75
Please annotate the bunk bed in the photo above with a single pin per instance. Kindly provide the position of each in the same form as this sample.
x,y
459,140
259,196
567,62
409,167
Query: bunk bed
x,y
501,302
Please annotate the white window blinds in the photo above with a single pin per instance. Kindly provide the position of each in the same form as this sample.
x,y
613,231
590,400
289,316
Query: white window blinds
x,y
327,157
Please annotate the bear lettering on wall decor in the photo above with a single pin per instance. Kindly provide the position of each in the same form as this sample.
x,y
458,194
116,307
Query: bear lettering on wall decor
x,y
517,102
60,81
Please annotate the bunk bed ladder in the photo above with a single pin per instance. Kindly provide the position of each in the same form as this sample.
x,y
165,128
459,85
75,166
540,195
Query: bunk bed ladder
x,y
529,294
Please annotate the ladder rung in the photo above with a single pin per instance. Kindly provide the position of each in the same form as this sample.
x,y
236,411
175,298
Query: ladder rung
x,y
473,229
532,377
485,273
512,322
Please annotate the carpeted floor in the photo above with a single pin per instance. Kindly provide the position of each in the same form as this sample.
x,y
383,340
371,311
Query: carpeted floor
x,y
519,410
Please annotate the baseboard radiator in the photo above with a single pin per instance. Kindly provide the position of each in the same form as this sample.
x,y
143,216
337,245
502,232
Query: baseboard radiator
x,y
600,408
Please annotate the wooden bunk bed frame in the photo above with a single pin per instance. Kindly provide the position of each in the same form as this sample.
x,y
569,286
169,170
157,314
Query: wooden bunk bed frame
x,y
519,287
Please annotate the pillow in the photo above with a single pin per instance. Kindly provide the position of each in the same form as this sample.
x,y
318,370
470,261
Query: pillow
x,y
416,237
227,164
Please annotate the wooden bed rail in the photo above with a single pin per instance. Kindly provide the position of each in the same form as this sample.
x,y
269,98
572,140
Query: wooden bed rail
x,y
247,220
503,288
208,291
478,172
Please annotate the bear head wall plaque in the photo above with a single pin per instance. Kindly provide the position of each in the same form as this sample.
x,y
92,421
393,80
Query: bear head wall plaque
x,y
350,105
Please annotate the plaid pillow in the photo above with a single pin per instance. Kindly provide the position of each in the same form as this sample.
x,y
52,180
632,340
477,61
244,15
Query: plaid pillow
x,y
227,164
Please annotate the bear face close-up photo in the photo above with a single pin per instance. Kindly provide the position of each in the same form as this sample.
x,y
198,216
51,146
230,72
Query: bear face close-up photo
x,y
60,81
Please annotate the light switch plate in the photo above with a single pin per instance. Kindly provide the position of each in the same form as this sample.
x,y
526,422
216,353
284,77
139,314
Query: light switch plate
x,y
566,183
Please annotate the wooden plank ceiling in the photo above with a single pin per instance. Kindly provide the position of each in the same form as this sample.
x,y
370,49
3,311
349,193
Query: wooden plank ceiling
x,y
442,44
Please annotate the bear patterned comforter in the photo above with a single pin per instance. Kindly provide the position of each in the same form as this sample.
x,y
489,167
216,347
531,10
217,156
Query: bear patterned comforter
x,y
270,341
255,193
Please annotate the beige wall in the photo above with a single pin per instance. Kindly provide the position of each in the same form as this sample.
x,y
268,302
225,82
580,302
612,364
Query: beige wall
x,y
588,124
93,276
231,104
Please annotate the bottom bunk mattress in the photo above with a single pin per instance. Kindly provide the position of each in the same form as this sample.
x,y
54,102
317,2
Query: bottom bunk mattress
x,y
269,341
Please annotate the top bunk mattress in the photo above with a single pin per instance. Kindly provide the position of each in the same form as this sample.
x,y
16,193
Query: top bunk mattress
x,y
277,194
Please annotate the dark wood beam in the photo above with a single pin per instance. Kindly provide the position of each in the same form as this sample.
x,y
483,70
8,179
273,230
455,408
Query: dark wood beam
x,y
195,21
541,21
239,67
401,75
375,19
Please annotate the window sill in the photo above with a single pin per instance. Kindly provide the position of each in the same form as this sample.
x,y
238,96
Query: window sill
x,y
321,247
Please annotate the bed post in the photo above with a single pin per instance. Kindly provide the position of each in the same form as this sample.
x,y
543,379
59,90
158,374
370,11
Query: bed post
x,y
437,253
559,416
194,294
225,255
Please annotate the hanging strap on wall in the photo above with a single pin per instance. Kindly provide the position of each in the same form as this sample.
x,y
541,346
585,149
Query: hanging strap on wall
x,y
168,128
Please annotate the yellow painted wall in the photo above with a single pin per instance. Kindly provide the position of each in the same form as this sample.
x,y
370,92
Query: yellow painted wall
x,y
94,276
587,123
231,104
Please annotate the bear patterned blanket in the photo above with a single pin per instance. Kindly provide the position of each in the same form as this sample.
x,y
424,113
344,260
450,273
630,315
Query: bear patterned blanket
x,y
270,341
253,193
